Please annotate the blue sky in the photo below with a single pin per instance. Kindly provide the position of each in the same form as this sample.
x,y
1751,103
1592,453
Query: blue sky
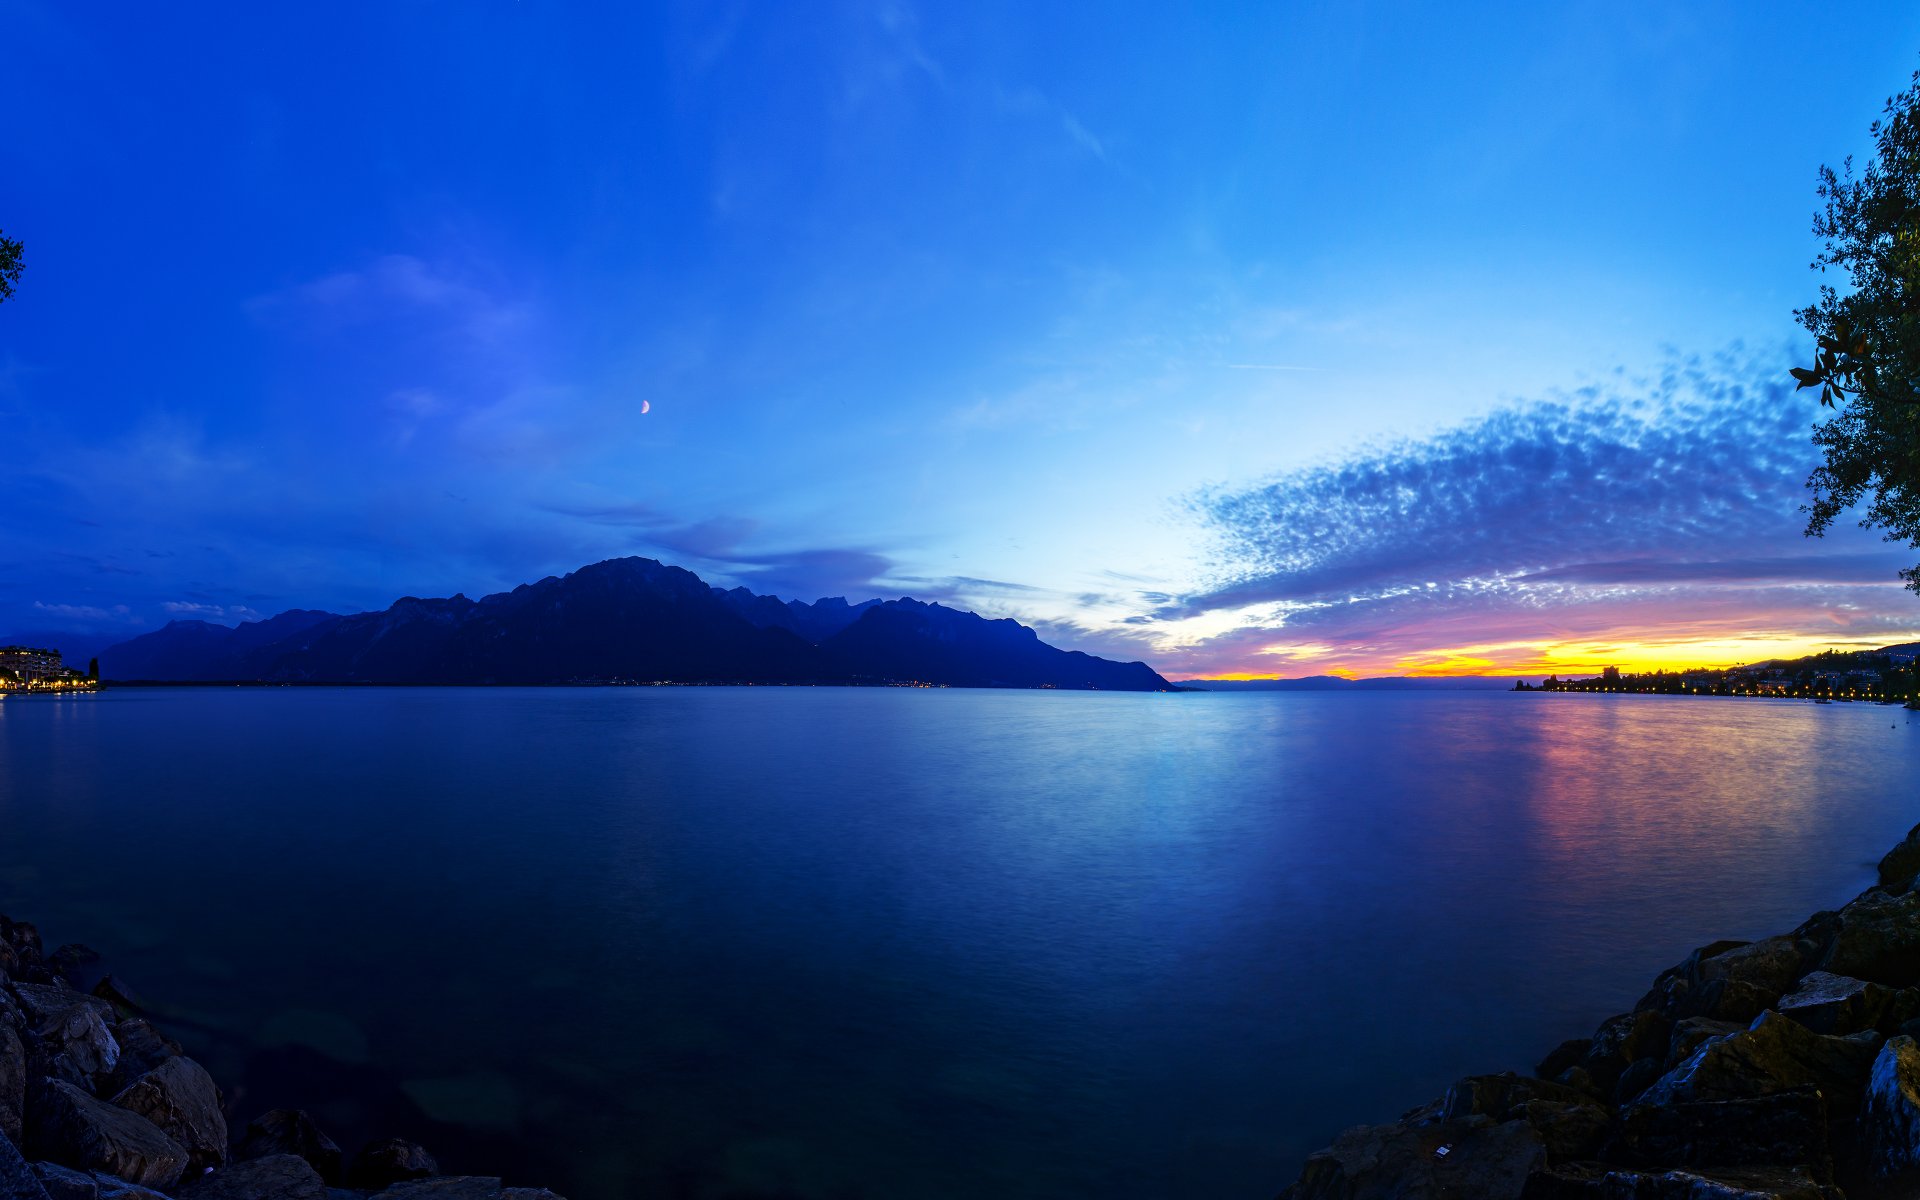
x,y
1079,314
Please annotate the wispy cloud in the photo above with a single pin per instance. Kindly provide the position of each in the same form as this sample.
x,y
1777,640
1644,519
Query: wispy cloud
x,y
89,614
1660,510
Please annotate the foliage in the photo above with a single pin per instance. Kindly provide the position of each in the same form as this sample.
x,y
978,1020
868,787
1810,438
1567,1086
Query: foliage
x,y
10,264
1867,363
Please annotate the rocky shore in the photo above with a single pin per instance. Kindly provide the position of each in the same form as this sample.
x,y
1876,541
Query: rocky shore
x,y
96,1103
1784,1069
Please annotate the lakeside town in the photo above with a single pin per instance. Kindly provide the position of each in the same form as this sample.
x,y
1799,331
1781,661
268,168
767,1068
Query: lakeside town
x,y
35,669
1887,675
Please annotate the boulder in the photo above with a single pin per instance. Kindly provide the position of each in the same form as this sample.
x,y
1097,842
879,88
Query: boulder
x,y
179,1097
25,938
142,1047
67,1126
73,962
1568,1131
1776,1054
1785,1129
1475,1157
463,1187
13,1083
1638,1076
1499,1096
1829,1003
46,1003
392,1161
9,961
1597,1181
65,1183
115,991
291,1131
275,1177
1889,1123
17,1180
1878,940
1566,1054
1901,863
1734,981
1690,1032
120,1189
77,1046
1620,1042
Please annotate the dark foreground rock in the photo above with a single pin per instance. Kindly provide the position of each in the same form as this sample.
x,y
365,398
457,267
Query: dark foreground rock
x,y
392,1161
96,1103
178,1096
275,1177
67,1126
291,1131
1782,1069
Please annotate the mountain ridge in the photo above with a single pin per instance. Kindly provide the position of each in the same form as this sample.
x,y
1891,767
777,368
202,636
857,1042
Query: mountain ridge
x,y
623,620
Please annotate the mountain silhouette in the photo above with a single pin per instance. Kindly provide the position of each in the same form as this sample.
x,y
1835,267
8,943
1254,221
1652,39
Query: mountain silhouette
x,y
624,620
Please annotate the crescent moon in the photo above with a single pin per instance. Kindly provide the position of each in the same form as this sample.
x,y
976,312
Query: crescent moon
x,y
646,406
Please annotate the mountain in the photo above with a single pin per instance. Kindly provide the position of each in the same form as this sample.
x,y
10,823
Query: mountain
x,y
907,640
200,651
627,619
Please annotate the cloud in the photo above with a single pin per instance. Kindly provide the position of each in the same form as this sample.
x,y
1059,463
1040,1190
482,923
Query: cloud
x,y
716,548
1665,510
91,614
209,612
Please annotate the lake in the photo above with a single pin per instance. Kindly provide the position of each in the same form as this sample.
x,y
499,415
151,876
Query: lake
x,y
838,943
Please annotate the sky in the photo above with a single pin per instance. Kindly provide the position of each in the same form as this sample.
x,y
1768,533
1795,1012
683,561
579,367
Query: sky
x,y
1250,340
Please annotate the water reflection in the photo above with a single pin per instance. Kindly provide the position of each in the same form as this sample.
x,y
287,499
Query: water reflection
x,y
861,943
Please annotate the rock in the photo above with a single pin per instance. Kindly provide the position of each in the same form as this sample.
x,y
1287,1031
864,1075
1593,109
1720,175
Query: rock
x,y
26,940
1878,940
1733,981
1597,1181
1638,1076
275,1177
13,1083
1690,1032
1482,1159
1889,1122
65,1183
179,1097
67,1126
392,1161
291,1131
17,1180
120,1189
9,961
78,1047
1566,1054
1498,1096
73,962
1620,1042
1568,1131
1577,1078
1901,863
115,991
142,1048
1776,1055
42,1003
1829,1003
1785,1129
463,1187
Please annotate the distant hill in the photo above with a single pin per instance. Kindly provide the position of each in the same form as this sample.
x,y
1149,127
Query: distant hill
x,y
1334,683
627,619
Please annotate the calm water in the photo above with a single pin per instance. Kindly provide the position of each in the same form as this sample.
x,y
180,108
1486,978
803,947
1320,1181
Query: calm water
x,y
845,943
